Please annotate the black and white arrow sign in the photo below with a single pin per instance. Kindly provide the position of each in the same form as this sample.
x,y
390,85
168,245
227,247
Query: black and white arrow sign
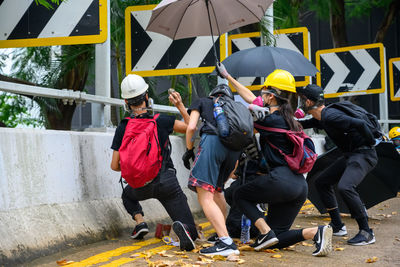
x,y
394,78
25,23
153,54
351,70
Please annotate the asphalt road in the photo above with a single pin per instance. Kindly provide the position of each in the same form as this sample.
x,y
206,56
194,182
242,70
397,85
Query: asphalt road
x,y
384,219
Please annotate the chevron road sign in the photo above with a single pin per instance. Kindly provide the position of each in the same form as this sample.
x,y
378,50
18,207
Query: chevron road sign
x,y
25,23
296,39
153,54
351,70
394,78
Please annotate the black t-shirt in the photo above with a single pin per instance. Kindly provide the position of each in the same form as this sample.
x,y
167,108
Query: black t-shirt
x,y
272,155
346,132
165,126
205,106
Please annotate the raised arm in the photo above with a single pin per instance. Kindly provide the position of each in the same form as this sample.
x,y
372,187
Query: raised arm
x,y
244,92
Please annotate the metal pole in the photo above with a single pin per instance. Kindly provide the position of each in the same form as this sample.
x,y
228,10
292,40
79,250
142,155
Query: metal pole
x,y
101,114
383,100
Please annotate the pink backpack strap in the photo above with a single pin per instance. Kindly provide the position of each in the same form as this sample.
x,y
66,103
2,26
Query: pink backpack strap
x,y
270,129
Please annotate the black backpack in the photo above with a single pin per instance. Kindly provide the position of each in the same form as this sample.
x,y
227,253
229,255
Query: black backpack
x,y
240,123
358,112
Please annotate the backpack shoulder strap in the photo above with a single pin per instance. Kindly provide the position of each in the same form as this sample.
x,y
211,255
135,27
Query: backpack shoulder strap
x,y
271,129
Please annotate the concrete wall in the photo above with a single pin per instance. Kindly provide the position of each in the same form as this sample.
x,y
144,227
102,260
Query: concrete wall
x,y
57,189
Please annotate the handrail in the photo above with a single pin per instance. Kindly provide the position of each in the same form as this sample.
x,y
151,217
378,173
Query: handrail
x,y
69,96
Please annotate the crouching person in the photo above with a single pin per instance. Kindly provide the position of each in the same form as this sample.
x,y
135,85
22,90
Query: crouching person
x,y
142,153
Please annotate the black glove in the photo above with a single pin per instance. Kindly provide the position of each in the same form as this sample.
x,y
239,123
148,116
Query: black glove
x,y
189,154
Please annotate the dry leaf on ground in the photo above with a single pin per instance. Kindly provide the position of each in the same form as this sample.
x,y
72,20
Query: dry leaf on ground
x,y
245,248
313,223
371,260
179,252
218,258
339,249
306,244
277,256
205,260
394,212
64,262
164,254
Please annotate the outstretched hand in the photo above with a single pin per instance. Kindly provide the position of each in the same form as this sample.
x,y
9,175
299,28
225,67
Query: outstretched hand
x,y
221,70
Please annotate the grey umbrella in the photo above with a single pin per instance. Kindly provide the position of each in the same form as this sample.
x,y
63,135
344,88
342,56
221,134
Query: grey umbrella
x,y
180,19
263,60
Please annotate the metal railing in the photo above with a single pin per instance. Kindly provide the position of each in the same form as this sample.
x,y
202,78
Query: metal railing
x,y
70,96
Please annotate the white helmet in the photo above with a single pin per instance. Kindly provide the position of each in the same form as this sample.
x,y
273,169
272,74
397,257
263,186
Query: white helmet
x,y
133,85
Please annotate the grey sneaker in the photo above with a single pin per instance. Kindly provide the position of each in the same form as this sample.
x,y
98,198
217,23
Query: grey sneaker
x,y
323,241
362,238
339,231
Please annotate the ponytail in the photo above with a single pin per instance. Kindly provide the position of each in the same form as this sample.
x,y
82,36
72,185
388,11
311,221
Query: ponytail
x,y
287,113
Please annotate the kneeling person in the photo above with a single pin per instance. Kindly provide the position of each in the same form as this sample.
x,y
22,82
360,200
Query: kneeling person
x,y
164,186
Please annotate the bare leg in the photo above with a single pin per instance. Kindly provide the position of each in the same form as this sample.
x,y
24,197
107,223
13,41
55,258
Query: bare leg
x,y
221,202
262,226
309,233
212,211
139,218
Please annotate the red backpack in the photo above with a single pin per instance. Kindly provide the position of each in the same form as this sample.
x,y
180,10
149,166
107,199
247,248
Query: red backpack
x,y
303,157
140,152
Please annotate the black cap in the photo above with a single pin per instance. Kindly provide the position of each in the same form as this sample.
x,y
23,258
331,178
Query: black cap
x,y
312,92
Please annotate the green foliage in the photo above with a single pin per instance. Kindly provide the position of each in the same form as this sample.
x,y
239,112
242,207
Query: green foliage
x,y
362,8
47,3
14,110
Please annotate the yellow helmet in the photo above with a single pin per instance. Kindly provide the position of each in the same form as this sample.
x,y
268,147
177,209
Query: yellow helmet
x,y
282,80
394,132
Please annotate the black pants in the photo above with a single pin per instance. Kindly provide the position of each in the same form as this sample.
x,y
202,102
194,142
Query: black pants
x,y
285,193
166,189
347,172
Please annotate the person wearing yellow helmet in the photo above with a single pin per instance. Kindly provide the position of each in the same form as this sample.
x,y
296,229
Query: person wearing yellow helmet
x,y
394,136
284,190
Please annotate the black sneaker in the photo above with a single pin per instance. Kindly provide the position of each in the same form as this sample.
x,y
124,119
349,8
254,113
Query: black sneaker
x,y
362,238
220,248
140,231
265,241
185,241
339,231
323,241
212,239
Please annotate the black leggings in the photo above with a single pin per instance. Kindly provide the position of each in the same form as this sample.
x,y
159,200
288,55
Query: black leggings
x,y
347,172
167,190
285,193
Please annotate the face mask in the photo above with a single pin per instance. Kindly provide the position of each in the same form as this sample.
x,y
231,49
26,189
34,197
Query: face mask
x,y
299,113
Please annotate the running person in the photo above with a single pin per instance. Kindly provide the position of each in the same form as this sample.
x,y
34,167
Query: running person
x,y
211,168
283,190
353,137
165,186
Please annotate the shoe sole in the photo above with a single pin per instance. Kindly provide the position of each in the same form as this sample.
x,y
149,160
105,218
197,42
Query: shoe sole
x,y
185,241
363,243
224,253
326,243
267,244
140,234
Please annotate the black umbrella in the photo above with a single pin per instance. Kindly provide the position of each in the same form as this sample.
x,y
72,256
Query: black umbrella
x,y
263,60
380,184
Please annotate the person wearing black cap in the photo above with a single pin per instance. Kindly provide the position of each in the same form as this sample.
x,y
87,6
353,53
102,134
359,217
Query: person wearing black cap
x,y
353,137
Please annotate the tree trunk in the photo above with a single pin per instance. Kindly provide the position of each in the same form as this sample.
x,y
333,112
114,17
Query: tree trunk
x,y
390,15
338,23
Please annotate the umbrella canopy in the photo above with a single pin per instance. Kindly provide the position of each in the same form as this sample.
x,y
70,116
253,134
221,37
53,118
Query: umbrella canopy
x,y
263,60
380,184
180,19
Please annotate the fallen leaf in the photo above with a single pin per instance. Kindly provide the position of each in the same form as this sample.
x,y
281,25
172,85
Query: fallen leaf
x,y
195,250
398,239
184,256
345,238
218,258
205,260
245,248
297,226
276,256
179,252
339,249
164,254
206,245
271,250
313,223
64,262
386,206
326,219
371,260
306,244
135,255
261,260
240,261
290,248
394,212
232,257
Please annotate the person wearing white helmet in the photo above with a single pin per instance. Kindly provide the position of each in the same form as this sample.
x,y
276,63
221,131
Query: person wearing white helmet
x,y
164,186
